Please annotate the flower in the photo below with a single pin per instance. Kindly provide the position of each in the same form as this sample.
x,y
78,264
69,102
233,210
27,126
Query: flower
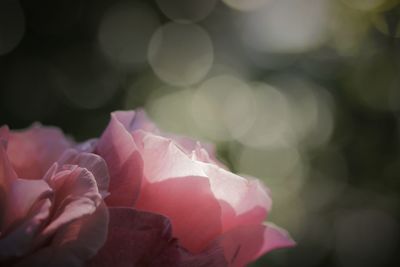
x,y
172,203
51,199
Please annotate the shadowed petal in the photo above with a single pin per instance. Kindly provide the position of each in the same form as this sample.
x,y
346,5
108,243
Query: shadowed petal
x,y
143,239
125,164
73,244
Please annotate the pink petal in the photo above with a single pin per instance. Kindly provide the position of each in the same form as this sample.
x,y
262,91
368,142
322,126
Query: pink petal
x,y
125,164
189,204
20,240
246,243
34,150
21,196
137,238
73,244
243,201
164,159
92,162
4,135
76,196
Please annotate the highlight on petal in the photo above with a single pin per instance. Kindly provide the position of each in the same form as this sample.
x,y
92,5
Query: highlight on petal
x,y
34,150
246,243
117,147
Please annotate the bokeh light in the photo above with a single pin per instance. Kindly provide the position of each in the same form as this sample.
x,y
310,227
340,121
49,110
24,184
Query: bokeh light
x,y
180,54
248,5
287,26
223,107
125,32
186,10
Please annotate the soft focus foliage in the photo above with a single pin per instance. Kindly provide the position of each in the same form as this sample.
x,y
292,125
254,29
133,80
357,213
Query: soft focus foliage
x,y
303,94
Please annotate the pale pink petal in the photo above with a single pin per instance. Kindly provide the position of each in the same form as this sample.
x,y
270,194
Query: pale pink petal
x,y
190,205
142,122
76,195
124,162
73,244
92,162
246,243
34,150
243,201
164,159
138,238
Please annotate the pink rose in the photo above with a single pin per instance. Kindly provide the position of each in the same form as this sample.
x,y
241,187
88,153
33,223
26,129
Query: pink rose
x,y
51,207
173,204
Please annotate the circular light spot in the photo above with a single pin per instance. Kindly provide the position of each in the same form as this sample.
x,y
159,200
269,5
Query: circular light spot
x,y
125,32
311,110
171,111
186,10
287,26
247,5
12,25
223,107
271,127
180,54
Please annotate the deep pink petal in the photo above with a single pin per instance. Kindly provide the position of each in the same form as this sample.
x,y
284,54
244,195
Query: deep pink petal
x,y
190,205
138,238
125,164
34,150
246,243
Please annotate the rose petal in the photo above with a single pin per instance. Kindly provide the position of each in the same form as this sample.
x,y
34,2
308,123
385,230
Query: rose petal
x,y
34,150
21,196
21,239
74,244
243,201
76,195
4,135
246,243
119,150
138,238
164,159
92,162
189,204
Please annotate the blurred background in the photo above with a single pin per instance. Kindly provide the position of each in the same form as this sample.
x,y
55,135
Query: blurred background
x,y
303,94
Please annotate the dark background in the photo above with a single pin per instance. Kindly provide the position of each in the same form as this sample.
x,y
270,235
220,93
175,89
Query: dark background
x,y
304,94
